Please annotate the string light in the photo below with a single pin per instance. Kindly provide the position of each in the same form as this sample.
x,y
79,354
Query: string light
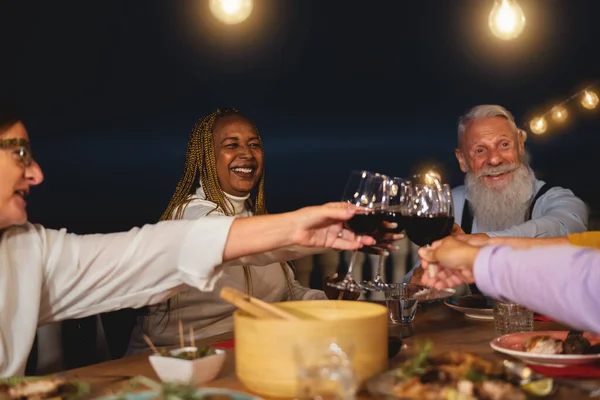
x,y
538,125
506,19
231,11
589,99
431,177
559,112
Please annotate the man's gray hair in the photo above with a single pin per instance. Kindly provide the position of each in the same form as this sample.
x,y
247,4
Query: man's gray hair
x,y
486,111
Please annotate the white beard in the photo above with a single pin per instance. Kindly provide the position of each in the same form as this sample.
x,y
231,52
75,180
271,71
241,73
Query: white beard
x,y
503,206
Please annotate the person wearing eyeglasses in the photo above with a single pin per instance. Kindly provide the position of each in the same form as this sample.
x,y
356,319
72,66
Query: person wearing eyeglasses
x,y
12,198
49,275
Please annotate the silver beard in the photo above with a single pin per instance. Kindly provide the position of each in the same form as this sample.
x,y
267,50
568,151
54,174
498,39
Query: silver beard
x,y
502,206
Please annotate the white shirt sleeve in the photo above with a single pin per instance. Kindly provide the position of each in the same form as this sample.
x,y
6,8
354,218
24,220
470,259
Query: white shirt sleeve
x,y
91,274
199,208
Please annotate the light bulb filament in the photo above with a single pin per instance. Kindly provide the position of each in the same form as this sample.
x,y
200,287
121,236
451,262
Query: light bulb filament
x,y
231,11
506,20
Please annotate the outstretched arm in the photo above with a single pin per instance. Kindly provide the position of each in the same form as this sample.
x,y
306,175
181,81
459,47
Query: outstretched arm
x,y
90,274
558,281
557,213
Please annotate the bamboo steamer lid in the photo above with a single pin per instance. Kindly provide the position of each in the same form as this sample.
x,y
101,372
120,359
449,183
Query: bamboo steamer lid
x,y
264,348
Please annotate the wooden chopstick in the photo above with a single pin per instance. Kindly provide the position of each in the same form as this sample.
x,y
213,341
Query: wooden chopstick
x,y
192,340
254,306
149,342
181,340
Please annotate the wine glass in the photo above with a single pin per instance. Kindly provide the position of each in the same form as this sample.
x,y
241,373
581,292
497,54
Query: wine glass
x,y
368,191
398,190
429,213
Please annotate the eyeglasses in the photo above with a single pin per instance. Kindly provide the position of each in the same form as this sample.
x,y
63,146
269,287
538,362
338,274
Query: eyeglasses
x,y
23,149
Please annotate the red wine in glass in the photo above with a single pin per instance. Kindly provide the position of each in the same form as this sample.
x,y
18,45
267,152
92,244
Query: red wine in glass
x,y
426,230
389,216
368,191
395,217
367,223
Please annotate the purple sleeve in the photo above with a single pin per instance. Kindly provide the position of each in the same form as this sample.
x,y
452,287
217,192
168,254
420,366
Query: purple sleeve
x,y
562,282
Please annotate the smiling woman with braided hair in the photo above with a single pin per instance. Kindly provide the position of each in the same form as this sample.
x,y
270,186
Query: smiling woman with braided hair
x,y
223,167
49,275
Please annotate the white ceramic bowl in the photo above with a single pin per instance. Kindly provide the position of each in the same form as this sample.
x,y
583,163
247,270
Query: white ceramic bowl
x,y
197,371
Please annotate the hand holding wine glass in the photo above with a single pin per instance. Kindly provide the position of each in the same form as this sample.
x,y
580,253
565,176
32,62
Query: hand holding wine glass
x,y
368,191
397,191
429,213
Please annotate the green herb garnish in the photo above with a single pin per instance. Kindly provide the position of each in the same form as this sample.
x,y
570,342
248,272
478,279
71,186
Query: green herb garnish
x,y
418,363
475,375
202,351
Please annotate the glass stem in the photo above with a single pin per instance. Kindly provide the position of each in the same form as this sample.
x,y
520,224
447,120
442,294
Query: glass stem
x,y
351,266
430,270
380,267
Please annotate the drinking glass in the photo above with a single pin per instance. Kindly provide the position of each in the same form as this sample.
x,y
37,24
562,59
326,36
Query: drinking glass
x,y
324,370
401,303
398,189
368,191
429,213
512,318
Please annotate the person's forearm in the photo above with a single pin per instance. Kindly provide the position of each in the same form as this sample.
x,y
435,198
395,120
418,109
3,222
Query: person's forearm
x,y
560,281
527,243
543,227
258,234
287,253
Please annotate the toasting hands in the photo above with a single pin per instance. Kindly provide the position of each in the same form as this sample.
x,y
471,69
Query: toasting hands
x,y
447,263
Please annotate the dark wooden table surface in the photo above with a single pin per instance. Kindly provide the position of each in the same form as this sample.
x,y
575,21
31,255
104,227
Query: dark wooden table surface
x,y
446,328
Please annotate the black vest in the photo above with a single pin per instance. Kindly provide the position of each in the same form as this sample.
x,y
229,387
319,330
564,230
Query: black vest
x,y
467,219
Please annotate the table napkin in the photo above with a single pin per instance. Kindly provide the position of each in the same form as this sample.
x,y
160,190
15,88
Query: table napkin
x,y
227,344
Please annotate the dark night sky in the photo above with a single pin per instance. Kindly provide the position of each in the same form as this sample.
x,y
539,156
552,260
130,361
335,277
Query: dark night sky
x,y
111,89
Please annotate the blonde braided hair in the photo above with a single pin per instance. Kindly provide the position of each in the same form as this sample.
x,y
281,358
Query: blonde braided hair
x,y
200,161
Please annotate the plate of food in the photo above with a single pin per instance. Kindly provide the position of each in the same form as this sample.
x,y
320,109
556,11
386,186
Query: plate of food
x,y
553,348
159,390
188,394
451,375
474,306
429,295
40,387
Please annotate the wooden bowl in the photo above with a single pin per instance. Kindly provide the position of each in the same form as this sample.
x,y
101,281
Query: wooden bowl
x,y
264,348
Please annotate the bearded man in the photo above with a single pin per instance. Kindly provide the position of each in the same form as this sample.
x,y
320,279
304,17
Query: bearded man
x,y
501,195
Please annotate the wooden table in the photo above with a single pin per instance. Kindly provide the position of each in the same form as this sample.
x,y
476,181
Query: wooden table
x,y
446,328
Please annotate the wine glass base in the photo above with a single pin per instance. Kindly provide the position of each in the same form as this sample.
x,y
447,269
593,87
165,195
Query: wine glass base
x,y
374,286
348,286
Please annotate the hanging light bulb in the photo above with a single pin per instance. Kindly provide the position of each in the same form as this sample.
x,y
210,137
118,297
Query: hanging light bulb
x,y
559,113
506,20
231,11
538,125
589,100
431,177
